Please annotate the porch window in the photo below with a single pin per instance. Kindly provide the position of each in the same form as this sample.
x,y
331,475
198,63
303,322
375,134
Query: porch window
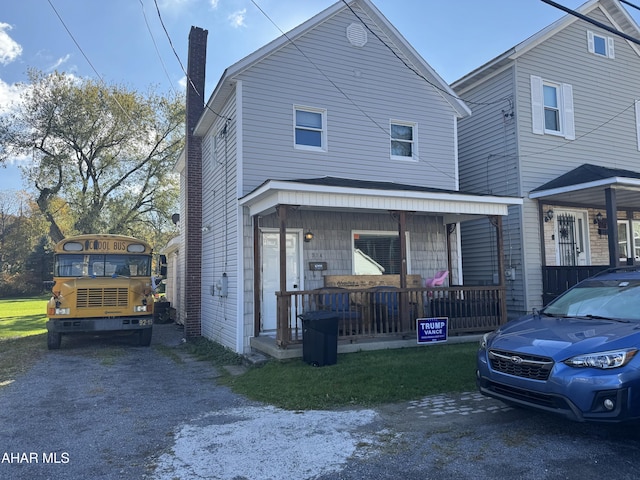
x,y
376,253
624,245
310,128
402,140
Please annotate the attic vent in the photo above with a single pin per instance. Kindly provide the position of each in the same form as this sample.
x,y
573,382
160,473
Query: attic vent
x,y
357,35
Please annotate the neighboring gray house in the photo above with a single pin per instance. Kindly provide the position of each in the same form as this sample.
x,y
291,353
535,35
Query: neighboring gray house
x,y
327,158
556,121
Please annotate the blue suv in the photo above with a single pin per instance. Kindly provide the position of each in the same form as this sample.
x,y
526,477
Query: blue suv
x,y
577,357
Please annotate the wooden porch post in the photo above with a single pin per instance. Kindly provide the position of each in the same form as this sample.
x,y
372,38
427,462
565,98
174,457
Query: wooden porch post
x,y
496,221
612,226
404,298
257,279
282,330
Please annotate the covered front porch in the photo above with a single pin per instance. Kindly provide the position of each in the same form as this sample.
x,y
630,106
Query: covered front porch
x,y
376,255
590,221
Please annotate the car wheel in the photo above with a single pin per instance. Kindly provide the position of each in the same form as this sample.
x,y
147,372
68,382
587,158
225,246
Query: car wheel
x,y
144,337
53,340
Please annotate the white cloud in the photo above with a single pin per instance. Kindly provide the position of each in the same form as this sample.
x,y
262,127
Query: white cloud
x,y
59,62
214,3
237,18
9,48
9,96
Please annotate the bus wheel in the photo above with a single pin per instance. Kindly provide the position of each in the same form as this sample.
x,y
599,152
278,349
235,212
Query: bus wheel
x,y
144,337
53,340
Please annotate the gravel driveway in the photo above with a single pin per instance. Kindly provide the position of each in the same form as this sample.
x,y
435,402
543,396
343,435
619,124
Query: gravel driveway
x,y
107,409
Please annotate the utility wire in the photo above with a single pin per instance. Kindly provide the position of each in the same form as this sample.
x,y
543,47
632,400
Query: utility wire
x,y
87,59
200,94
594,22
415,71
155,45
385,131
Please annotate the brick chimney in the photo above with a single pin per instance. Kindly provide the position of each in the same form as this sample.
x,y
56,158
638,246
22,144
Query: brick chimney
x,y
192,224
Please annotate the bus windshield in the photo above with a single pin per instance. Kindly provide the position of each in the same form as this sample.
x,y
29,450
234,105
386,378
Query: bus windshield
x,y
81,265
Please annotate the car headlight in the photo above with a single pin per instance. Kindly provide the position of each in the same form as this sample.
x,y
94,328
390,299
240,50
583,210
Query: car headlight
x,y
603,360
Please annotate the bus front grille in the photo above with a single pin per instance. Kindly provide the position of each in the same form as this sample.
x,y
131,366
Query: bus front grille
x,y
102,297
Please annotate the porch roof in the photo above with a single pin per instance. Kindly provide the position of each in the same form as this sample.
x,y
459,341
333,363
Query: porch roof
x,y
586,184
330,193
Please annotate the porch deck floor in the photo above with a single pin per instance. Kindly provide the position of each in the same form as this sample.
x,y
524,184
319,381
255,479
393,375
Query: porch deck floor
x,y
267,345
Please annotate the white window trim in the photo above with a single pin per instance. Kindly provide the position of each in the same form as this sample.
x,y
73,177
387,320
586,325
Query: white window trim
x,y
637,104
565,102
323,134
609,42
414,142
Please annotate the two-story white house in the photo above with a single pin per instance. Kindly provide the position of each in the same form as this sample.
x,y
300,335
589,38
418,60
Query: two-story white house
x,y
328,159
556,121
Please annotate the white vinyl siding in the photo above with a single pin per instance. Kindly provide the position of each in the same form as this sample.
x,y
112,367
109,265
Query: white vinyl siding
x,y
600,45
543,108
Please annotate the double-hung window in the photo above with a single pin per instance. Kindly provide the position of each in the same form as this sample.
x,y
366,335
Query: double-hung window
x,y
403,145
310,129
552,108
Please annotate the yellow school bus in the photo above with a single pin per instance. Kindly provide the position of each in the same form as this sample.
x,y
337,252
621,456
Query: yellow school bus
x,y
102,283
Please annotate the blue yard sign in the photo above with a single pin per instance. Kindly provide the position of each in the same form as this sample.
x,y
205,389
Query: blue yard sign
x,y
432,330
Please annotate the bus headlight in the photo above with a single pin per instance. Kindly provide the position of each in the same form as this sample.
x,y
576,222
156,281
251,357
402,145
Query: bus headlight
x,y
63,311
140,308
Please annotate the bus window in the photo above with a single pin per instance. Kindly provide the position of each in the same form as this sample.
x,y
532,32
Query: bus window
x,y
69,265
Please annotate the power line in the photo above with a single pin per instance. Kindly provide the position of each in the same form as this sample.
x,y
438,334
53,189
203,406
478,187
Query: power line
x,y
155,45
87,59
386,132
200,94
415,71
593,21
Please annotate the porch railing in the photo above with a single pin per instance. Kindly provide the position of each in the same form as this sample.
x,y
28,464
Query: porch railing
x,y
559,279
389,312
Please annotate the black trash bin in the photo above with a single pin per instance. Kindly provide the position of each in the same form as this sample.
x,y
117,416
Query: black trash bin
x,y
320,337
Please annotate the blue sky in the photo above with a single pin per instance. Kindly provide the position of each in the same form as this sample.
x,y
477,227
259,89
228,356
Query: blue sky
x,y
124,41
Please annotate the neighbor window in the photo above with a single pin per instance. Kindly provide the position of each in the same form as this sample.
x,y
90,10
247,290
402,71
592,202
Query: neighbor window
x,y
552,108
600,45
310,128
377,253
402,140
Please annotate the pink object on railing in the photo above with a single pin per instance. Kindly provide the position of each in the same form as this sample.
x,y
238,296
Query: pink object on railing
x,y
438,280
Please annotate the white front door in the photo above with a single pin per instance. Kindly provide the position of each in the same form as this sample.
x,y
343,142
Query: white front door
x,y
572,238
271,273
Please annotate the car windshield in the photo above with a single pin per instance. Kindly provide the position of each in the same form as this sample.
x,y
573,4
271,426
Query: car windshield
x,y
616,299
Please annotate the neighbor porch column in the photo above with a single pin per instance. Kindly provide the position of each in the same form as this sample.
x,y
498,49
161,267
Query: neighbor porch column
x,y
612,226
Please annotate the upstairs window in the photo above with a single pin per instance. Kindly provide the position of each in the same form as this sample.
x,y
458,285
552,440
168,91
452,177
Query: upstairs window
x,y
552,108
402,140
599,45
310,129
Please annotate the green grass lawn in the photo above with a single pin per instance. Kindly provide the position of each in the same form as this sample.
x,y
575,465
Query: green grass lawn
x,y
22,317
357,379
22,335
